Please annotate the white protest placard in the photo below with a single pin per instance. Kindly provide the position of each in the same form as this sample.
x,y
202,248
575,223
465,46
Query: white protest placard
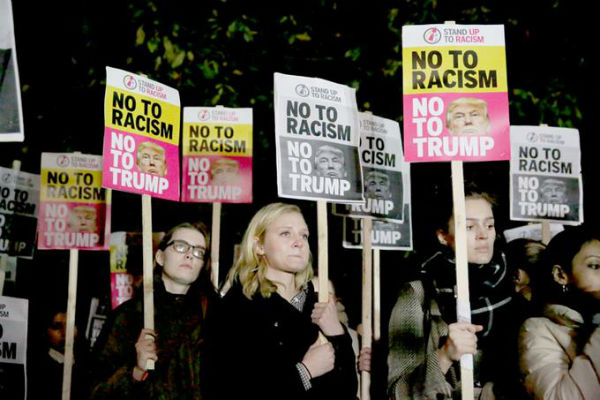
x,y
317,136
11,112
19,203
531,231
13,347
384,171
545,168
385,235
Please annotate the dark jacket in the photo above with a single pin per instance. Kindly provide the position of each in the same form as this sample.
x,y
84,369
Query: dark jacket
x,y
258,343
179,371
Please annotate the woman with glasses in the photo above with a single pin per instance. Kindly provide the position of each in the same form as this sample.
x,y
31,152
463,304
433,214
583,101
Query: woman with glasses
x,y
267,335
182,293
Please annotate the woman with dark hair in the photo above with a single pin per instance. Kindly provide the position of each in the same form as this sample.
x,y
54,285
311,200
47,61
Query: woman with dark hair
x,y
182,294
560,352
267,336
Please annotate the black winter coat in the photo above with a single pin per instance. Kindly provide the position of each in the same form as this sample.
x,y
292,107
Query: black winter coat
x,y
257,344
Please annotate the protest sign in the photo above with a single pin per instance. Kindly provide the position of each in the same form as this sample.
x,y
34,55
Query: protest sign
x,y
217,154
13,347
74,211
11,112
383,168
530,231
385,235
455,93
19,197
545,181
141,135
121,282
316,132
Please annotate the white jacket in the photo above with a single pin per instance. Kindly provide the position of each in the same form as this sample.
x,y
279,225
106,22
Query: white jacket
x,y
553,360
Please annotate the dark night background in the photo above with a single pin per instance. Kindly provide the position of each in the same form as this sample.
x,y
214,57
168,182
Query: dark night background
x,y
225,52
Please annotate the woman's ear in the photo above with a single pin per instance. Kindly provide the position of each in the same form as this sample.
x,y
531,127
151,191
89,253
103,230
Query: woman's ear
x,y
260,250
159,257
442,237
559,275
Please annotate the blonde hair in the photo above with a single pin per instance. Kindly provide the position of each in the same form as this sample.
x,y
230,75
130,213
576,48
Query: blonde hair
x,y
250,268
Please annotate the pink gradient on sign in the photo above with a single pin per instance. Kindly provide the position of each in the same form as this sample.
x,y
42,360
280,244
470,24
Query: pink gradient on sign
x,y
499,127
171,192
243,181
121,288
73,220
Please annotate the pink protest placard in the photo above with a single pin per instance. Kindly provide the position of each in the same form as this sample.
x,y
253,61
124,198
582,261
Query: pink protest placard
x,y
141,136
455,93
74,208
217,155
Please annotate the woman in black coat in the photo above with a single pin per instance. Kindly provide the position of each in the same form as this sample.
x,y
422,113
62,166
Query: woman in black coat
x,y
266,334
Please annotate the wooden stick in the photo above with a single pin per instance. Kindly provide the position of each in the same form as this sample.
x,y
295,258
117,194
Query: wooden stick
x,y
323,255
463,307
376,296
546,233
70,333
367,297
214,244
148,267
16,165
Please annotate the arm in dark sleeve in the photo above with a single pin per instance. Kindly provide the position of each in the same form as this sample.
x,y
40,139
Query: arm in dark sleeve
x,y
345,366
114,359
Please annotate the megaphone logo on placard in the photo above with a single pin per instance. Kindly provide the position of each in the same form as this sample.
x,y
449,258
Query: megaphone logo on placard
x,y
129,82
62,161
302,90
432,35
532,137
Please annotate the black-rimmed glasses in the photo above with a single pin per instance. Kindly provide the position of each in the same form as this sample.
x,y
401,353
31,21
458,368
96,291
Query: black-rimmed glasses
x,y
181,246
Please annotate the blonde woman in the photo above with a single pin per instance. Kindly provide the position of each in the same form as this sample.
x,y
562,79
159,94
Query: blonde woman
x,y
267,330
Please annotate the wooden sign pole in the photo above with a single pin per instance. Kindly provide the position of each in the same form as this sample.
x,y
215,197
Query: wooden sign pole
x,y
376,296
148,267
70,332
214,244
463,307
323,254
367,297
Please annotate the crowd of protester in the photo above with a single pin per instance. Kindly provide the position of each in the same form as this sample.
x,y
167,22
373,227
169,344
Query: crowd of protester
x,y
533,331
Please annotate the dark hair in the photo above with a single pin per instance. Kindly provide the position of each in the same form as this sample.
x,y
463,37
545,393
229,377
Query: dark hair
x,y
560,251
445,211
204,278
525,254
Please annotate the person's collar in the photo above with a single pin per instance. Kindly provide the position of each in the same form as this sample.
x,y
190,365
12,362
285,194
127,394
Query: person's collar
x,y
563,315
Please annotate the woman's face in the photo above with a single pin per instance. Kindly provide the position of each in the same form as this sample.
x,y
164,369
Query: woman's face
x,y
586,269
481,232
285,244
181,269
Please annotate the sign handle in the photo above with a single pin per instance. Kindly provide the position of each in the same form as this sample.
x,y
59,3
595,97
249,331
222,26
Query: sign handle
x,y
148,267
376,296
214,244
323,255
463,306
367,298
69,339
